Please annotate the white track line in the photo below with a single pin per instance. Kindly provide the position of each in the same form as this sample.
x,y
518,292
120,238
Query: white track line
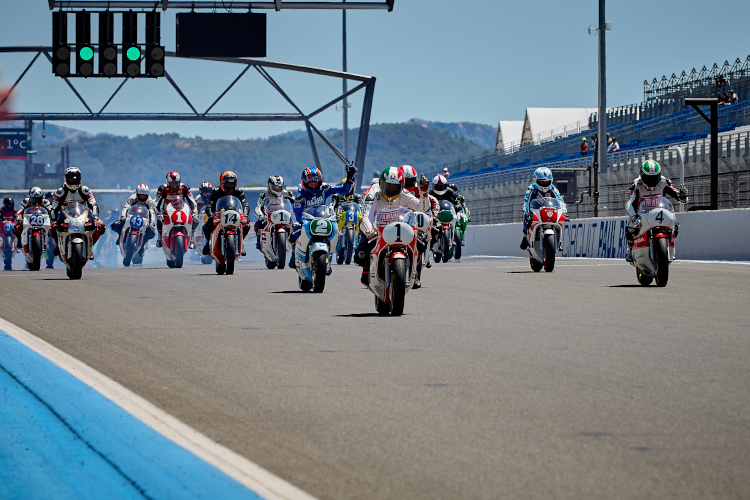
x,y
232,464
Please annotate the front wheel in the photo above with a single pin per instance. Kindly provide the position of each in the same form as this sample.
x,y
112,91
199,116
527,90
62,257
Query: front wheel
x,y
398,285
8,250
230,251
661,249
349,242
446,246
281,250
549,252
130,245
76,261
36,252
457,251
179,250
320,267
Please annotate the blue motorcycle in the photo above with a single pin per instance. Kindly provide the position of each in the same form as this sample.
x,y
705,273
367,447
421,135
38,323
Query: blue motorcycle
x,y
314,246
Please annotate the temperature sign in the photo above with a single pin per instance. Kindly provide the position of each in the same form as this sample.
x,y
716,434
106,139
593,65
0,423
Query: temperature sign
x,y
12,147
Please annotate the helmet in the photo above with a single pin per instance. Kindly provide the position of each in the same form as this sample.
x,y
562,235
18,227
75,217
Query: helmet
x,y
142,192
391,183
173,180
228,181
543,179
276,185
410,175
35,196
311,178
72,178
439,184
650,174
205,189
9,203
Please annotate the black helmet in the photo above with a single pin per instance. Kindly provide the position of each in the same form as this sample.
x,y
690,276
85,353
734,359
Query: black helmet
x,y
72,178
228,181
9,203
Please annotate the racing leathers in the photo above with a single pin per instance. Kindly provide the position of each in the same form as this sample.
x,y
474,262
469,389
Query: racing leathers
x,y
166,194
532,194
450,195
134,200
639,190
216,194
64,195
202,201
261,211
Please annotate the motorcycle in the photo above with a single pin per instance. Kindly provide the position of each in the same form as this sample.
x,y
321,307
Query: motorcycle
x,y
176,231
75,229
424,223
393,261
226,239
273,237
461,223
9,242
447,243
317,238
36,226
545,233
653,243
199,239
133,233
349,217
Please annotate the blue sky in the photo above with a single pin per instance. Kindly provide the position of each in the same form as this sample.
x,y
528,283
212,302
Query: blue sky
x,y
472,60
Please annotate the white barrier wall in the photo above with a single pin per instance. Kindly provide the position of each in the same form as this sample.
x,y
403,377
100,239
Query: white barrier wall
x,y
715,235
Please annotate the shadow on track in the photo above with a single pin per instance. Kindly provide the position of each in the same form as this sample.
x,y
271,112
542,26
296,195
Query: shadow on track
x,y
361,315
290,291
636,285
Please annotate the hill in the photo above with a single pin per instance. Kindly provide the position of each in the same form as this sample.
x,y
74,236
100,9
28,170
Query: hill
x,y
109,161
479,133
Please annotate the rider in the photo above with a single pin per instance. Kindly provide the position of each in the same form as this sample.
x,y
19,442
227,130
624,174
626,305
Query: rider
x,y
228,187
390,195
442,191
312,192
8,211
34,198
649,184
428,205
276,189
51,242
141,196
542,187
73,191
168,192
204,195
352,196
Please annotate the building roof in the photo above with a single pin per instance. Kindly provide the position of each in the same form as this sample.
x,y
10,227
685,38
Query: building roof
x,y
508,132
543,120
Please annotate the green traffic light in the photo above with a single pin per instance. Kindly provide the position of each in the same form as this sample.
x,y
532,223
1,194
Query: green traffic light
x,y
133,53
86,53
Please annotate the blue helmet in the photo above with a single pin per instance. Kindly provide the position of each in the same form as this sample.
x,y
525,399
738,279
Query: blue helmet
x,y
311,178
543,179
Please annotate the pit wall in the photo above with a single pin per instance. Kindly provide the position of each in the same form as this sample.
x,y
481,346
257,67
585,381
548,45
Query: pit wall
x,y
716,235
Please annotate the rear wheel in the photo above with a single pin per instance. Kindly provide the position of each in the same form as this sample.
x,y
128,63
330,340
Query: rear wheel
x,y
536,266
320,267
36,252
281,250
661,249
179,250
549,253
642,279
230,252
130,245
76,261
398,287
446,246
349,241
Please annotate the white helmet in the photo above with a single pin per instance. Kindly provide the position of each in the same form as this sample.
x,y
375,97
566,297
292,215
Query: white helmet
x,y
543,179
276,185
439,184
141,192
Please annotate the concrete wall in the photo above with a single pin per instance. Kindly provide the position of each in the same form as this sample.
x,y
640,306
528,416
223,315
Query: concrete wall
x,y
719,235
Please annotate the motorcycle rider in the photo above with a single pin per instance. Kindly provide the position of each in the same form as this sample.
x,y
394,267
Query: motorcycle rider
x,y
542,187
51,241
649,184
312,192
338,199
276,189
443,191
428,205
73,191
142,197
390,195
204,195
228,187
168,192
34,198
8,213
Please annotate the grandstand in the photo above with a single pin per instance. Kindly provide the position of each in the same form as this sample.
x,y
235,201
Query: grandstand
x,y
645,130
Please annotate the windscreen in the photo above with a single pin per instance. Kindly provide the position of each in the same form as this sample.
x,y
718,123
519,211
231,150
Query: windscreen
x,y
545,202
36,210
349,205
140,211
446,205
177,203
75,209
648,204
319,212
229,203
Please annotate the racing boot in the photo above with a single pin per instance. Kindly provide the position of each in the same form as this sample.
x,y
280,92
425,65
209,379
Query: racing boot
x,y
629,255
365,278
257,241
207,248
243,253
192,245
291,261
524,243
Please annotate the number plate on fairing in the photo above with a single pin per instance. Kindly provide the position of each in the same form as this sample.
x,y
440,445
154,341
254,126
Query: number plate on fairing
x,y
660,217
281,217
398,233
36,220
321,227
230,218
136,222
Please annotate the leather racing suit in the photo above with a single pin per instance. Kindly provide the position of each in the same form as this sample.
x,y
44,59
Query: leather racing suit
x,y
216,194
166,194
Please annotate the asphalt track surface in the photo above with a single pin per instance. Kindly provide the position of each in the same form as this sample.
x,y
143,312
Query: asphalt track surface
x,y
496,383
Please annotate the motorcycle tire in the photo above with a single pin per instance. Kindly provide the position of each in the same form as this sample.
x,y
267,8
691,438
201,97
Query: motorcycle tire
x,y
398,287
320,267
382,307
36,253
8,250
281,249
457,251
446,247
536,266
642,280
661,249
270,264
179,250
549,253
230,252
76,261
130,245
349,241
341,254
220,269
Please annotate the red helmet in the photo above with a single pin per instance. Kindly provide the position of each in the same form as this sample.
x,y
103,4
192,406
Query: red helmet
x,y
205,188
141,191
439,184
311,178
410,175
173,180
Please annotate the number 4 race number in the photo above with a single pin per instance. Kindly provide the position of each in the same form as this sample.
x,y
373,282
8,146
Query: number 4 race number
x,y
660,217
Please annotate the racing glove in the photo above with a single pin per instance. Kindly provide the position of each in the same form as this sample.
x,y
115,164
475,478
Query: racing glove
x,y
528,218
682,195
350,171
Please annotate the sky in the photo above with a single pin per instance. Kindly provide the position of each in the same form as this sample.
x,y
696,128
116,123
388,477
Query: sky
x,y
473,60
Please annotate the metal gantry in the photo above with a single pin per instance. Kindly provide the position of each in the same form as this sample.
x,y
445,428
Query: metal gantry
x,y
227,5
260,66
690,85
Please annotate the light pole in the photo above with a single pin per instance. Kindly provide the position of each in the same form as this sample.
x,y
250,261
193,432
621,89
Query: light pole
x,y
601,143
345,104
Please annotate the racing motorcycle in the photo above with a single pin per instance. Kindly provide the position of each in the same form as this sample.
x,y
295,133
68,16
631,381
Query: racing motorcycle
x,y
9,242
393,261
273,237
447,243
653,240
424,223
133,233
226,239
36,226
349,217
75,229
312,249
176,231
545,233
